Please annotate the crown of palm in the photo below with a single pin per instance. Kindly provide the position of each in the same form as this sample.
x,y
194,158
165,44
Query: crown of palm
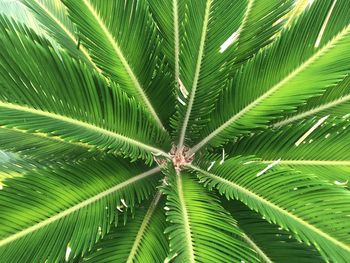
x,y
148,131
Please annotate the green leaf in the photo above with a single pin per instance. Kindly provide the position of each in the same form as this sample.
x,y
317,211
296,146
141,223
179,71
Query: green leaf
x,y
314,211
262,20
335,102
273,243
140,240
297,59
68,208
77,108
298,8
11,165
200,61
123,42
324,152
20,13
53,17
40,146
201,230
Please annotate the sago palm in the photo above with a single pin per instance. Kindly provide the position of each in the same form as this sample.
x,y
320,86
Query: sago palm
x,y
175,131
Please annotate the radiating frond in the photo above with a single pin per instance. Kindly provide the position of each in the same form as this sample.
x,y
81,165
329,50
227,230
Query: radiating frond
x,y
314,211
169,18
335,102
324,152
201,230
126,124
258,96
200,61
53,16
274,244
140,240
261,21
123,42
77,108
40,146
68,208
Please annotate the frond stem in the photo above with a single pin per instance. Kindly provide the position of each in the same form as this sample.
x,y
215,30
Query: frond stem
x,y
185,218
143,227
272,90
82,124
313,162
77,207
124,61
176,42
313,111
275,207
196,74
257,249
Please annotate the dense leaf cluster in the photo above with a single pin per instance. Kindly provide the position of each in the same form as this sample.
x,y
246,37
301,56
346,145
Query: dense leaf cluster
x,y
175,131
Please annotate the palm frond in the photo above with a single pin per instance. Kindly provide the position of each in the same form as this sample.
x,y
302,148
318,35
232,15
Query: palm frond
x,y
200,62
335,102
11,165
70,208
16,10
310,65
125,124
77,108
201,230
41,147
274,244
140,240
298,8
123,42
324,152
287,198
16,165
169,18
261,22
53,17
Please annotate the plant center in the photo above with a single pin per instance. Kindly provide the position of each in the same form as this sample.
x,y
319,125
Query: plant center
x,y
180,157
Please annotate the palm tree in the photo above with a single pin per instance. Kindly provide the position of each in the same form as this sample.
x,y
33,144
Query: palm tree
x,y
175,131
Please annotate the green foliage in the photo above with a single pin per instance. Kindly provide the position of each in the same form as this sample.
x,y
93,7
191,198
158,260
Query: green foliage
x,y
277,244
200,229
287,197
174,131
255,97
75,205
310,156
140,240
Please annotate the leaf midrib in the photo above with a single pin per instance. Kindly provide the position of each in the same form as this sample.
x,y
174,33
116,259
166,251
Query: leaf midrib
x,y
142,230
77,207
312,162
196,74
186,221
256,248
260,199
272,90
69,34
82,124
313,111
176,42
125,63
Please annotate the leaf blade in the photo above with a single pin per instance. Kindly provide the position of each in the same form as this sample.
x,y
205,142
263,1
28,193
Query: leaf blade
x,y
272,194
